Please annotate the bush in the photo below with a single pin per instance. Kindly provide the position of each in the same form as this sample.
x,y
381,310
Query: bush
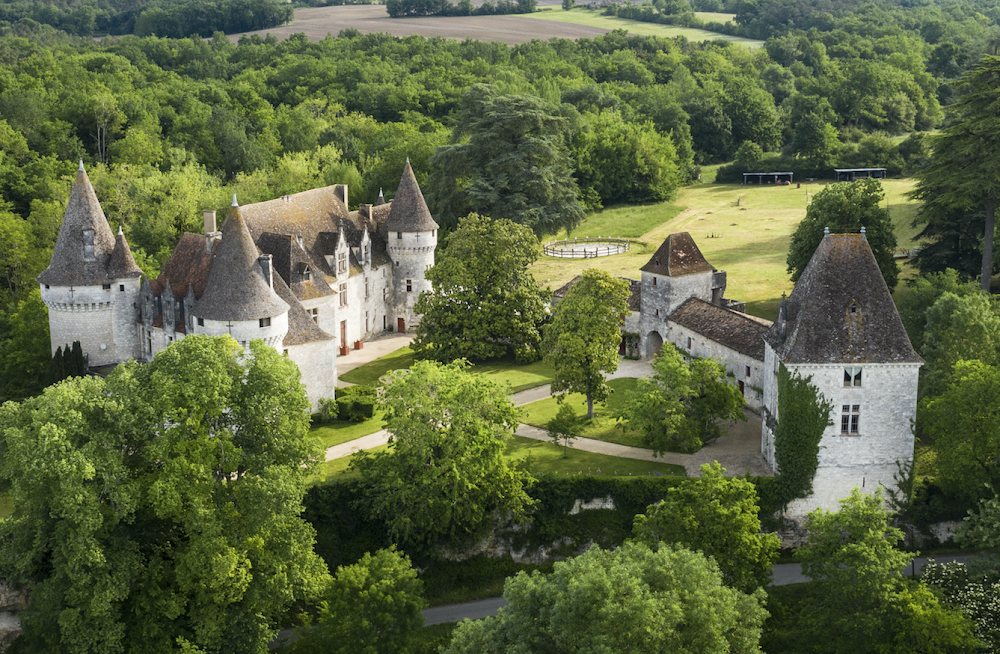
x,y
356,403
328,410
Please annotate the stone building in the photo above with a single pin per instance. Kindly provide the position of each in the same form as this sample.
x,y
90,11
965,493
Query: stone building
x,y
301,272
839,327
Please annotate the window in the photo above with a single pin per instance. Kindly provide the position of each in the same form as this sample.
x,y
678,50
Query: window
x,y
689,343
106,287
385,292
657,313
399,235
409,285
343,295
850,417
748,372
852,377
265,322
341,262
366,288
397,264
284,353
366,322
307,273
46,287
654,281
315,315
121,288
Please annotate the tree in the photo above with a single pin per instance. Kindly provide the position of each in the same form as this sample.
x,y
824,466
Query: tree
x,y
920,295
677,409
508,159
963,176
582,341
565,427
159,509
863,603
958,327
24,349
964,422
371,607
631,599
444,474
803,416
844,207
485,303
718,516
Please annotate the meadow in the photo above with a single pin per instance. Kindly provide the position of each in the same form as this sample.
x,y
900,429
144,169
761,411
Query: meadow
x,y
744,230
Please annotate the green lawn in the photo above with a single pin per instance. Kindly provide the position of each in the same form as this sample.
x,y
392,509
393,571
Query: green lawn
x,y
370,372
341,431
603,427
542,457
591,18
624,221
338,467
744,230
520,376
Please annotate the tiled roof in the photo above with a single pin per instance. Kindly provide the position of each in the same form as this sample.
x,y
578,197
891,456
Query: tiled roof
x,y
68,266
677,256
301,327
409,212
236,289
188,266
122,265
840,310
735,330
289,262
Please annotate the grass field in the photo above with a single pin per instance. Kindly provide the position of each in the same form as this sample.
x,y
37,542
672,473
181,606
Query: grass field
x,y
520,377
744,230
592,18
342,431
540,457
603,427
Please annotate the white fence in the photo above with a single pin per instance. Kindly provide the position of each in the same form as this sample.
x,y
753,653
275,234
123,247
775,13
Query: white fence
x,y
588,247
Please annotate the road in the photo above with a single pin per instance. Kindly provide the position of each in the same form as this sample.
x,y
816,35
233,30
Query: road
x,y
784,574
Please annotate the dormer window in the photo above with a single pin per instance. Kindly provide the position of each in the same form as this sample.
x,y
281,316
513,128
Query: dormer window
x,y
305,272
88,245
342,262
265,322
852,377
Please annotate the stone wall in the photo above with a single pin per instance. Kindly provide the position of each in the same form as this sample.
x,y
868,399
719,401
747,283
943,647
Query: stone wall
x,y
12,601
85,314
735,362
412,255
317,361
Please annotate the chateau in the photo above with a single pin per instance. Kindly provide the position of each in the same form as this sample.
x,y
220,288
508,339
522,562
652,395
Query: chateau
x,y
301,272
839,327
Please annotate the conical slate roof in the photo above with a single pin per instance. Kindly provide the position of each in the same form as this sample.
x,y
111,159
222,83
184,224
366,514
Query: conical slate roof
x,y
73,263
409,212
236,289
840,310
678,255
122,264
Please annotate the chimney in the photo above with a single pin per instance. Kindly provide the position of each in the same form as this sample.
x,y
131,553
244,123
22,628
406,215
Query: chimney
x,y
211,231
265,268
341,190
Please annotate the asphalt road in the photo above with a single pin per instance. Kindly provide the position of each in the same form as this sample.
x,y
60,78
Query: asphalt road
x,y
784,574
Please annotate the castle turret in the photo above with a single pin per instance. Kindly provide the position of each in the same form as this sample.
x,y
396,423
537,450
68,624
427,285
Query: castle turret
x,y
91,286
840,327
411,240
239,297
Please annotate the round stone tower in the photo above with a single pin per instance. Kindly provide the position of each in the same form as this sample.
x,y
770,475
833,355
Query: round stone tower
x,y
239,297
91,287
410,242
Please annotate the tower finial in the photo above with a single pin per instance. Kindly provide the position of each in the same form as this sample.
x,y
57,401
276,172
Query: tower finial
x,y
120,232
826,232
407,161
235,203
80,169
863,234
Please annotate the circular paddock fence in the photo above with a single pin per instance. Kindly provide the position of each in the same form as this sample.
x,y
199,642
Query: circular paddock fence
x,y
589,247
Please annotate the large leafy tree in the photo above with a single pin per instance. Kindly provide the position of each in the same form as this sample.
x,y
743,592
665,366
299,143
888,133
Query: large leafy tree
x,y
717,516
582,341
444,474
961,185
158,510
24,348
485,303
846,207
371,607
965,424
509,159
632,599
920,294
958,327
862,603
678,408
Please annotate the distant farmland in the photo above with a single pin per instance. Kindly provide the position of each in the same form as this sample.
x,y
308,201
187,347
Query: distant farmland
x,y
317,22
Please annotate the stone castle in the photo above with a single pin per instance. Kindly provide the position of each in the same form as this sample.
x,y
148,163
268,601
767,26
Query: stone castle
x,y
301,272
839,326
